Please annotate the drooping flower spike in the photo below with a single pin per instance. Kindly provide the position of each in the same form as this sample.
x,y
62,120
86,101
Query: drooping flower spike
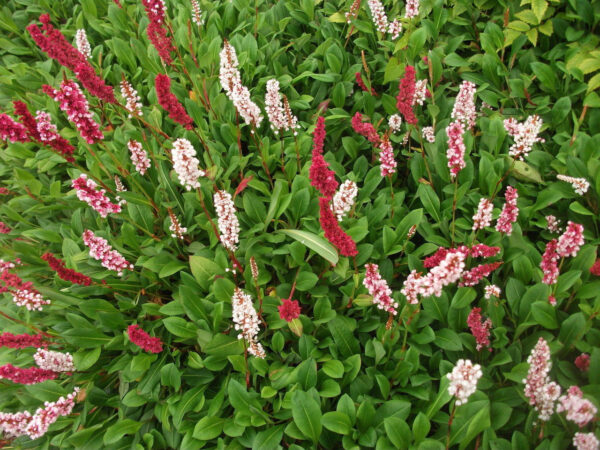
x,y
169,102
103,252
88,191
580,185
379,289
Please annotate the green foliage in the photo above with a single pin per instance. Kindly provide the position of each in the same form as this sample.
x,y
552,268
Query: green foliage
x,y
337,376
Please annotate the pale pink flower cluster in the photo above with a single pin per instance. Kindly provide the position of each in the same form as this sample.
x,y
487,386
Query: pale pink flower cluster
x,y
412,9
510,211
228,222
386,158
45,127
395,122
428,134
525,135
541,392
553,224
420,92
464,109
581,185
379,289
185,164
177,231
281,117
570,241
448,271
456,148
197,13
36,425
483,216
132,99
343,200
379,16
586,441
103,252
139,157
82,43
395,29
463,380
54,361
492,291
239,94
245,321
29,298
578,409
88,191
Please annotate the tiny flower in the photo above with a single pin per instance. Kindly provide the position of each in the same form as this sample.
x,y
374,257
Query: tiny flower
x,y
456,148
412,9
185,164
586,441
480,330
132,99
428,134
483,216
379,16
552,222
583,362
525,135
542,392
169,102
386,158
578,409
103,252
379,289
139,157
395,122
289,310
88,191
197,13
492,291
406,95
464,109
143,340
72,101
510,211
177,231
581,185
54,361
395,28
343,200
463,380
570,241
549,263
228,222
245,319
82,43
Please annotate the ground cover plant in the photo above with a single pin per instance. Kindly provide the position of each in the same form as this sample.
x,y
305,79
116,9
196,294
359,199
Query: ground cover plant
x,y
299,224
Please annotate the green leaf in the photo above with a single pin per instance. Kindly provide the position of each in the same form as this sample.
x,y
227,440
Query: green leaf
x,y
398,432
430,201
269,439
307,415
170,376
203,270
115,433
544,314
315,243
571,328
421,427
337,422
343,337
448,340
180,327
545,74
208,428
539,8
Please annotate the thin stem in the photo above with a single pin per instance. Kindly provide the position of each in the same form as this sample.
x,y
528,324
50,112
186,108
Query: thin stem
x,y
454,208
450,420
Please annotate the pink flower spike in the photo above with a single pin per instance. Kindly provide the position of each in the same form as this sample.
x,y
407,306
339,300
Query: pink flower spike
x,y
570,241
386,158
463,380
586,441
549,264
480,330
321,177
229,225
365,129
525,135
72,101
343,200
88,191
542,392
20,341
412,9
510,211
483,216
583,362
245,319
333,231
143,340
379,289
139,157
579,410
464,109
103,252
30,375
11,130
456,148
54,361
379,16
289,310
